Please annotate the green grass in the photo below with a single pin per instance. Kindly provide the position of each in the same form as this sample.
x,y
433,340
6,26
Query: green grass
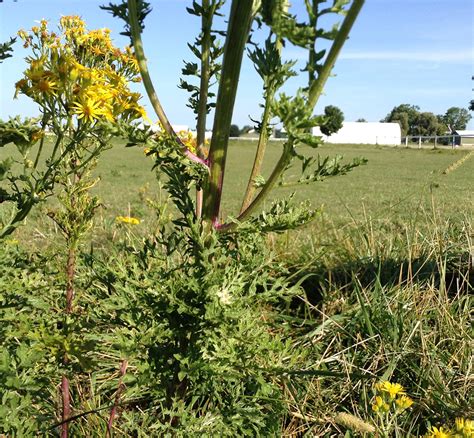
x,y
395,184
395,180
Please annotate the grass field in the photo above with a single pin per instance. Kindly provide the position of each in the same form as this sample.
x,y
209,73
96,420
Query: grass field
x,y
397,184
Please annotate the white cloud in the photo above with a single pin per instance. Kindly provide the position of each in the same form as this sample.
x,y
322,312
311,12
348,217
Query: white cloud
x,y
447,56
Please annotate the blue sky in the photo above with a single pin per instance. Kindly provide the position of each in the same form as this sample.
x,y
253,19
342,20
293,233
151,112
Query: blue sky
x,y
400,51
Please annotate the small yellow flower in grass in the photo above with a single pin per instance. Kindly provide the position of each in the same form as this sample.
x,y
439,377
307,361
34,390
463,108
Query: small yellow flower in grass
x,y
465,427
376,407
434,432
127,220
403,402
393,389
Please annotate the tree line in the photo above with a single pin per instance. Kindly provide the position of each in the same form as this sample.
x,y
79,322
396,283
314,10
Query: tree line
x,y
414,122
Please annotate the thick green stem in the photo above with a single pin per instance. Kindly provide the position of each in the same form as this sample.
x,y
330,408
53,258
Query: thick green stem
x,y
277,171
237,34
203,94
317,86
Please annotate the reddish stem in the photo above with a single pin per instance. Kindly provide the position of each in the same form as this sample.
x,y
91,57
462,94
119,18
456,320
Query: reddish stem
x,y
121,386
66,406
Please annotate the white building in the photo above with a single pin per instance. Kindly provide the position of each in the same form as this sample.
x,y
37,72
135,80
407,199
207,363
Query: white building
x,y
364,133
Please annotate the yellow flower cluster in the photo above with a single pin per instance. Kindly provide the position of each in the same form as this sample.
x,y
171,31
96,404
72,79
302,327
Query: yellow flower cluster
x,y
80,73
463,428
390,395
127,220
190,141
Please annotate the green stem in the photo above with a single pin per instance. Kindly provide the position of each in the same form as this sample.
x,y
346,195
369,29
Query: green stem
x,y
140,55
40,148
312,51
238,30
277,171
317,86
147,82
262,144
203,93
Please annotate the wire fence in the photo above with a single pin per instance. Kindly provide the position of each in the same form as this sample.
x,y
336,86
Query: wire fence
x,y
430,141
410,141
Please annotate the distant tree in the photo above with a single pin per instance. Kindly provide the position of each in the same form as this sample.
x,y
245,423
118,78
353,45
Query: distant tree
x,y
456,118
402,120
442,127
234,131
426,123
333,120
406,115
245,129
361,120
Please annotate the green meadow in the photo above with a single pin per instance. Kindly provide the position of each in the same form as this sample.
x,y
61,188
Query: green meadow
x,y
396,184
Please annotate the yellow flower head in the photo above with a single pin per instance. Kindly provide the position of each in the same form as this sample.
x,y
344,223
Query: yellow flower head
x,y
21,85
403,402
46,86
37,135
35,74
127,220
434,432
377,404
465,427
87,109
393,389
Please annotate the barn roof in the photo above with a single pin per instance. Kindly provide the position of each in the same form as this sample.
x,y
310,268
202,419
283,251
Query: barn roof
x,y
464,133
365,132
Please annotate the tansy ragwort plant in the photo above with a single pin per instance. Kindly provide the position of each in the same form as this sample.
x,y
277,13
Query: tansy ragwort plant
x,y
80,82
294,112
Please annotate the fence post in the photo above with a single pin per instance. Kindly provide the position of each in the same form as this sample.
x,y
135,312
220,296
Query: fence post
x,y
406,141
419,142
436,141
